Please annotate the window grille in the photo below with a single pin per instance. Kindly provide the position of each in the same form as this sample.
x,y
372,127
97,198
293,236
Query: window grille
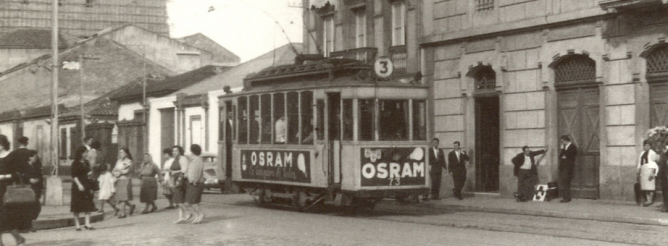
x,y
575,68
485,79
482,5
657,61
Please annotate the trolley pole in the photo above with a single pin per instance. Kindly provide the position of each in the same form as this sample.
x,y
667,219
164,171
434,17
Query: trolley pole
x,y
81,93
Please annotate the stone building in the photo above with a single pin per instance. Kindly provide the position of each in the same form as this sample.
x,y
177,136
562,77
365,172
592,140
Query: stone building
x,y
510,73
83,18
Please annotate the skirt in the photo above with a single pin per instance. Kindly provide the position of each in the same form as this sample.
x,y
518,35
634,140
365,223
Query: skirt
x,y
149,190
123,190
647,171
179,194
82,200
194,193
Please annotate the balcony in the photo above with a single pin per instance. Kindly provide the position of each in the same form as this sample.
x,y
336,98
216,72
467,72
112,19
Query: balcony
x,y
398,57
366,55
621,5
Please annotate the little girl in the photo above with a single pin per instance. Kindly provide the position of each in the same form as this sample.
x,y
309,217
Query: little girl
x,y
106,181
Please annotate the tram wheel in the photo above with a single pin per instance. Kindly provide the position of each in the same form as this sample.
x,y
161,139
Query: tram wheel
x,y
403,199
262,197
299,200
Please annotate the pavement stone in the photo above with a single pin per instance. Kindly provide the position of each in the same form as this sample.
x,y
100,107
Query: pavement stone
x,y
584,209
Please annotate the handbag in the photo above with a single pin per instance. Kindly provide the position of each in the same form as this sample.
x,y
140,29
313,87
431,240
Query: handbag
x,y
93,184
19,194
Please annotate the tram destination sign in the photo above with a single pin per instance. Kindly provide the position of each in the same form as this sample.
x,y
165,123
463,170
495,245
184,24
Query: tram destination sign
x,y
276,165
393,166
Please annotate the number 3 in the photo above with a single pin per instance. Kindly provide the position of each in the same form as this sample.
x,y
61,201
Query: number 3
x,y
384,70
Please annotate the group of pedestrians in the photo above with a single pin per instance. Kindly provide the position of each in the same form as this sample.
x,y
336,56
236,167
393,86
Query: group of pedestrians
x,y
183,182
21,166
526,170
652,166
456,166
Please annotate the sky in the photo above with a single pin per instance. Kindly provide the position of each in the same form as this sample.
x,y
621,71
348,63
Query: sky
x,y
245,27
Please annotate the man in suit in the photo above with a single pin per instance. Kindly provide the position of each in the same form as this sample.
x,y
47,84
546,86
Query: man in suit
x,y
436,163
566,167
457,167
526,171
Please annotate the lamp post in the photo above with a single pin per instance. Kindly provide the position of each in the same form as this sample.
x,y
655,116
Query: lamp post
x,y
54,186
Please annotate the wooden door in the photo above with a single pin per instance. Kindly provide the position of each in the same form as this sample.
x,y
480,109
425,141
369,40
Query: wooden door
x,y
167,129
487,153
579,119
659,104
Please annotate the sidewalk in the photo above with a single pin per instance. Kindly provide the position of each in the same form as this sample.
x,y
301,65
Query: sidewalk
x,y
585,209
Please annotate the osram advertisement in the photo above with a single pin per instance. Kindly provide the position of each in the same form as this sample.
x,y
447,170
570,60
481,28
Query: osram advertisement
x,y
393,167
277,165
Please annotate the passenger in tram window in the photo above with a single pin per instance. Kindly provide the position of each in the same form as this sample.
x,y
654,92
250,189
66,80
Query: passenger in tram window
x,y
280,130
308,132
255,131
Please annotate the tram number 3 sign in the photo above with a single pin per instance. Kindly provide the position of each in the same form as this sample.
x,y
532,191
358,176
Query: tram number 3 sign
x,y
393,166
383,67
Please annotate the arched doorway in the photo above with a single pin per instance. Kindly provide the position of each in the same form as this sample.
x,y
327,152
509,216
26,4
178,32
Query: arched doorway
x,y
578,115
657,76
487,138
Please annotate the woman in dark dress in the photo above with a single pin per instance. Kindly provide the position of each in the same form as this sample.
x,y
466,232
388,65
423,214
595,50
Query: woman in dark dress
x,y
10,221
82,194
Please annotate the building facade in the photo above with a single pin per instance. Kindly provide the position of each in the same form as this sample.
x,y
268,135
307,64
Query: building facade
x,y
83,18
506,74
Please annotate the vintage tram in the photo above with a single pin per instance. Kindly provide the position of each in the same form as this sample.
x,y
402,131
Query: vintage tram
x,y
326,131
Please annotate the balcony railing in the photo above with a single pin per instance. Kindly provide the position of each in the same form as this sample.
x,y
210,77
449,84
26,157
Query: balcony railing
x,y
366,55
398,56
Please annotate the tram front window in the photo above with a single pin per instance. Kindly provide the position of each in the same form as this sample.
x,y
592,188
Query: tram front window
x,y
393,121
293,117
347,119
254,120
265,102
243,120
321,119
419,120
307,131
366,115
279,118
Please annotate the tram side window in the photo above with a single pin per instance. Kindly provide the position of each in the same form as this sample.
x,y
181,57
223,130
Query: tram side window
x,y
347,119
232,118
222,123
419,120
293,117
307,130
265,112
320,129
254,120
279,118
393,121
243,120
366,115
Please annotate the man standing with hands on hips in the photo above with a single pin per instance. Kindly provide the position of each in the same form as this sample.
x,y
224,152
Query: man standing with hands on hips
x,y
457,167
566,167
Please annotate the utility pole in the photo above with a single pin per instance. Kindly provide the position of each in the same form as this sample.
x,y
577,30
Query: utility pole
x,y
54,185
81,93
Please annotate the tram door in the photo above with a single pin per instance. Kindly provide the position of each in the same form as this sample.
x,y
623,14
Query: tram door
x,y
333,138
227,119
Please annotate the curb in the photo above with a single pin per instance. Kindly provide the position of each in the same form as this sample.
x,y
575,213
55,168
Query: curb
x,y
45,224
552,214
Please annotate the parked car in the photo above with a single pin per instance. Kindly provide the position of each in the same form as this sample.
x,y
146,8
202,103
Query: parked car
x,y
213,172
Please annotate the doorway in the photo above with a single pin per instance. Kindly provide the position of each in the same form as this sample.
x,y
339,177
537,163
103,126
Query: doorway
x,y
333,137
579,119
487,143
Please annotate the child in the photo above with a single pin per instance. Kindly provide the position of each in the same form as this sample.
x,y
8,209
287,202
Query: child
x,y
106,181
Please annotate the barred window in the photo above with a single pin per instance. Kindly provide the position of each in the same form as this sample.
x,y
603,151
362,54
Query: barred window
x,y
575,68
657,61
485,79
482,5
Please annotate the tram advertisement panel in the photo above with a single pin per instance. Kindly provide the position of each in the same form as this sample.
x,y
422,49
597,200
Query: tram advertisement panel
x,y
393,166
277,165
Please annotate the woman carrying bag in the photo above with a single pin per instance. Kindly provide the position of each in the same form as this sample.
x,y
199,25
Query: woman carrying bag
x,y
82,189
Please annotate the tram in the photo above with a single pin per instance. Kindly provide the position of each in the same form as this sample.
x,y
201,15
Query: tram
x,y
325,132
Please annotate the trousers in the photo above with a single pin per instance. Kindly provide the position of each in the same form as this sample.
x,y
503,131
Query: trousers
x,y
435,183
526,181
565,178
